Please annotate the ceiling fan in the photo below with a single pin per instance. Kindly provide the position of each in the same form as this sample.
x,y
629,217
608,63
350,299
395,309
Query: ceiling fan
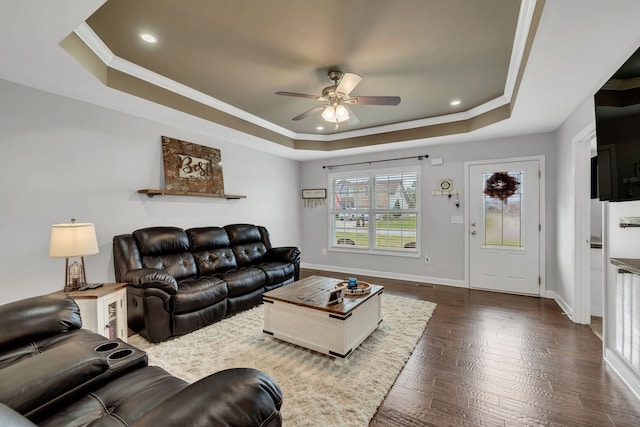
x,y
335,99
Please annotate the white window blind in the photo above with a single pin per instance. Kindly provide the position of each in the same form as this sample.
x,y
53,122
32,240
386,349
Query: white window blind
x,y
628,317
375,210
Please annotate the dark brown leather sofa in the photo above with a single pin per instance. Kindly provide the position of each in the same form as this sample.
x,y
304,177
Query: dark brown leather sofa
x,y
182,280
52,373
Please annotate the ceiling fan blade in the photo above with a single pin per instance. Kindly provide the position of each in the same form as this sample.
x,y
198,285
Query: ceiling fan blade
x,y
375,100
348,82
308,112
299,95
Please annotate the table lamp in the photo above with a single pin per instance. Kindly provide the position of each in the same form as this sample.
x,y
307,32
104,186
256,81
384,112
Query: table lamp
x,y
75,239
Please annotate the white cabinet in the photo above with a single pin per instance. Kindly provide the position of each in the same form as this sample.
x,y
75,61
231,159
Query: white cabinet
x,y
104,309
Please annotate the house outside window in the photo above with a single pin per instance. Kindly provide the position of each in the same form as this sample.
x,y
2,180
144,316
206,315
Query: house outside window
x,y
375,211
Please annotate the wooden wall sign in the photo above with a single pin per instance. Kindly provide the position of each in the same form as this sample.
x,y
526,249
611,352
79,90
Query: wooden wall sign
x,y
191,168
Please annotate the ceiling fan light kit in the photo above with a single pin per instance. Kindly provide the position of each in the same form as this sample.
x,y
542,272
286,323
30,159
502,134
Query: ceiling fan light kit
x,y
336,113
337,96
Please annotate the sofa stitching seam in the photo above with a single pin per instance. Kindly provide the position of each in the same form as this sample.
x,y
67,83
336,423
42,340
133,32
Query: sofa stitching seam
x,y
271,416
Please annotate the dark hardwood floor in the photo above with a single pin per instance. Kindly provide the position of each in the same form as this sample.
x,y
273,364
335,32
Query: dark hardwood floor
x,y
494,359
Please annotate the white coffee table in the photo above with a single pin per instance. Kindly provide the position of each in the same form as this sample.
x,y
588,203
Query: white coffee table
x,y
298,313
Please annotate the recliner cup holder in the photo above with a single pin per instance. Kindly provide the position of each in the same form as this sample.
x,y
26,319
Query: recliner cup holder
x,y
120,354
107,346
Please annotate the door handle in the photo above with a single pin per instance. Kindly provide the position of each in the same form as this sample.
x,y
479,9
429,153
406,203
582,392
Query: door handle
x,y
473,233
473,224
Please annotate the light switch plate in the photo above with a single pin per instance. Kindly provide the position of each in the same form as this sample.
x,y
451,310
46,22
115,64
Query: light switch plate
x,y
457,219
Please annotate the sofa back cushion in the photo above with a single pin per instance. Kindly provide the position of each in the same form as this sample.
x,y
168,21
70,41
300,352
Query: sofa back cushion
x,y
166,248
211,250
246,243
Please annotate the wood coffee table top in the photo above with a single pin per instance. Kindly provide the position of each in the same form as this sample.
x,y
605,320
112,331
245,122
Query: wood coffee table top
x,y
313,292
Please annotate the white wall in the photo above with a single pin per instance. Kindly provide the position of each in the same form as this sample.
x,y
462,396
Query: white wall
x,y
582,117
65,159
441,240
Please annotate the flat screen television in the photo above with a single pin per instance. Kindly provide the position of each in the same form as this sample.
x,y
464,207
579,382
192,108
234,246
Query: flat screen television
x,y
617,107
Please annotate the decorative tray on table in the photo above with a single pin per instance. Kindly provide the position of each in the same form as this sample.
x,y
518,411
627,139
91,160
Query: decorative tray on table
x,y
362,289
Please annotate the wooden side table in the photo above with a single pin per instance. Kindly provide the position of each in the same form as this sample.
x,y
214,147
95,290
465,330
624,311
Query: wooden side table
x,y
104,309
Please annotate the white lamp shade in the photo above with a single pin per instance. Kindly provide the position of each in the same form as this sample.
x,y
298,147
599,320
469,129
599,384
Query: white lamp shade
x,y
335,113
342,113
73,239
329,113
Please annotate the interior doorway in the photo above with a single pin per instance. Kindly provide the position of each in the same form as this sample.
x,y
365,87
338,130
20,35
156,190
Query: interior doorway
x,y
596,267
588,234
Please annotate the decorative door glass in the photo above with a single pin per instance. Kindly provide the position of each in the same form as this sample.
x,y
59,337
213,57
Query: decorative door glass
x,y
112,320
503,209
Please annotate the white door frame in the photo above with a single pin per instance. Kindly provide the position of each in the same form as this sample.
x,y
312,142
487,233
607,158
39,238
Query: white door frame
x,y
542,207
581,147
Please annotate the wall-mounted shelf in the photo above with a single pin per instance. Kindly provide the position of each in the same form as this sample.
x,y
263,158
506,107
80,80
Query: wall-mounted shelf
x,y
445,193
150,192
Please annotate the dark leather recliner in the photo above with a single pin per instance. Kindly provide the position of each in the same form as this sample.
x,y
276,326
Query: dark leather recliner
x,y
182,280
55,374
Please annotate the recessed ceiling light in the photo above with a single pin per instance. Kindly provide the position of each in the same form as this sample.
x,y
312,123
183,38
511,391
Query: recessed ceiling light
x,y
455,102
320,128
149,38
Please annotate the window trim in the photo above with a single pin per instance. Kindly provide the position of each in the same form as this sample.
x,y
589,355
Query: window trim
x,y
372,250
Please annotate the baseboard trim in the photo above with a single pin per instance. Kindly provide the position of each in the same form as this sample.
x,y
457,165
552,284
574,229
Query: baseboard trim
x,y
620,366
566,308
388,275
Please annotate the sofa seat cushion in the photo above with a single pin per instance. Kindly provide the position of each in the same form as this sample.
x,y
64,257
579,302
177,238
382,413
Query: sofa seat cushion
x,y
243,280
196,293
121,401
277,272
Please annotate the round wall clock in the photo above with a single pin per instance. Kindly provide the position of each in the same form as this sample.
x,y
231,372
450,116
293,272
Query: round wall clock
x,y
445,184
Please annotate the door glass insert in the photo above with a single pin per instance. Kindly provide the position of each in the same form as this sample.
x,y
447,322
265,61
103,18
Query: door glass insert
x,y
503,209
112,320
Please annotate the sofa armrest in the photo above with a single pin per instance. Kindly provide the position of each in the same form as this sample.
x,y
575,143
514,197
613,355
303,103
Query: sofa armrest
x,y
151,278
32,382
37,317
284,254
233,397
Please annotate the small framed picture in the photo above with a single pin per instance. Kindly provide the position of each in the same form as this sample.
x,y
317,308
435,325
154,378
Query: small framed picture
x,y
314,193
335,296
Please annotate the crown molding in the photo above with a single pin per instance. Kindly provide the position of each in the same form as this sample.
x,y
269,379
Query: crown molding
x,y
476,116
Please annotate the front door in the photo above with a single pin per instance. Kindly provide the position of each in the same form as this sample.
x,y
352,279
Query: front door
x,y
504,226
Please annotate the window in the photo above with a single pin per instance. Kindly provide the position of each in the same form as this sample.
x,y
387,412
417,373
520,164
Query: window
x,y
375,210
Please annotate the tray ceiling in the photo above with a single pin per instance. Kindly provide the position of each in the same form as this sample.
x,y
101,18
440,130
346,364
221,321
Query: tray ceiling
x,y
224,61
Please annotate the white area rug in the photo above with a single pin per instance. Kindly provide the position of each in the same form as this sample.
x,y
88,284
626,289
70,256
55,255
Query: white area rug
x,y
317,391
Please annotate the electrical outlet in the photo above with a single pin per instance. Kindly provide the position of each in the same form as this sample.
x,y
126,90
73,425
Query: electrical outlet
x,y
427,259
